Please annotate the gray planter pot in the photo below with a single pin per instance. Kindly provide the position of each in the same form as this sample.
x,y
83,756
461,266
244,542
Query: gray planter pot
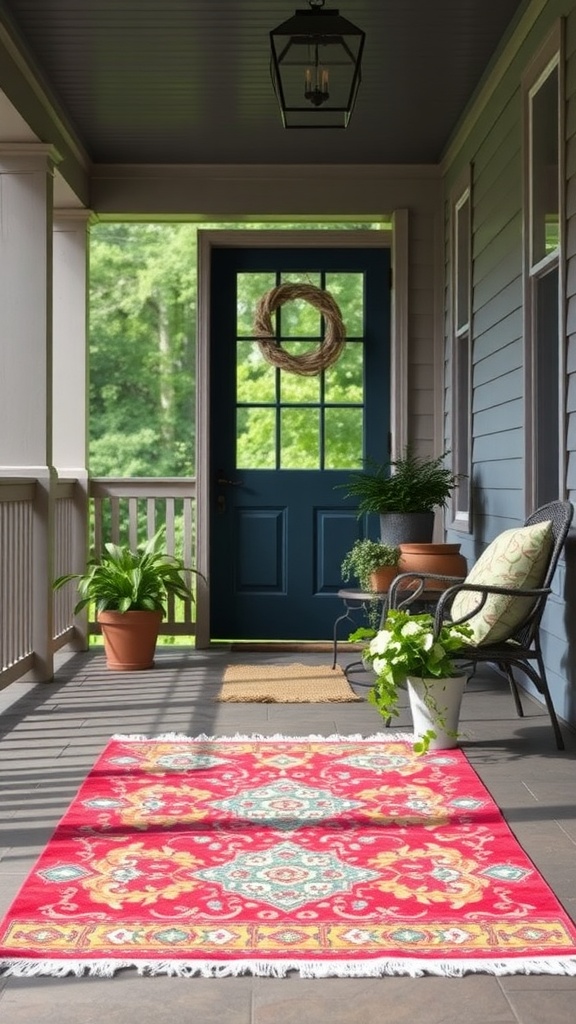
x,y
406,527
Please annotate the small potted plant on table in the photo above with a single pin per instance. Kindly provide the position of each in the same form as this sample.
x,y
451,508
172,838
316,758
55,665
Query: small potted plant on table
x,y
409,651
373,563
129,590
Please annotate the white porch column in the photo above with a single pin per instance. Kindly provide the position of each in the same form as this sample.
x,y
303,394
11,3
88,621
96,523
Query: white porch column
x,y
70,381
26,189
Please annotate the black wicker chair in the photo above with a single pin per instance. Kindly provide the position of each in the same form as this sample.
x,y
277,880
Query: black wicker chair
x,y
521,649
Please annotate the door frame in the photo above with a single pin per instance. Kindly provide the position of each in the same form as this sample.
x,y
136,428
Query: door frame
x,y
397,241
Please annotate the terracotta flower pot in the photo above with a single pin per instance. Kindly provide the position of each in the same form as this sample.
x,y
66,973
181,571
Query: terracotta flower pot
x,y
443,559
381,578
130,639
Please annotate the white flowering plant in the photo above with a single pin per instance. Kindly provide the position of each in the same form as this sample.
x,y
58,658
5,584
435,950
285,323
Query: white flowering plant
x,y
407,646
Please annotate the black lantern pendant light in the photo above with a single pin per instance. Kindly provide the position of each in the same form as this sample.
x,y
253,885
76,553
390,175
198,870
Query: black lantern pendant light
x,y
316,68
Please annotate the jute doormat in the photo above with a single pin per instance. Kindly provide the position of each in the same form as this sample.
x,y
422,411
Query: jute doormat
x,y
286,684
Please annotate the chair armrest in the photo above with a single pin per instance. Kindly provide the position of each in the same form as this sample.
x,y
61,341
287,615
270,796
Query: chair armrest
x,y
397,596
484,590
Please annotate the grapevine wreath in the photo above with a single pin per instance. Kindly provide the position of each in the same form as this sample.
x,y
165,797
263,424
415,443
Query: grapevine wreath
x,y
309,364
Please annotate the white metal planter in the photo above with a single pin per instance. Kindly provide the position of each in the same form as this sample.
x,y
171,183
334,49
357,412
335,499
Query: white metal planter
x,y
435,705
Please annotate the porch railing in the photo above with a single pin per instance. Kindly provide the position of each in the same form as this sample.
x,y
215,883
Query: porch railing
x,y
17,498
117,509
131,511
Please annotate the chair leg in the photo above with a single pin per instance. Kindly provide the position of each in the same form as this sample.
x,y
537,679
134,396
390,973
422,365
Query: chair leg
x,y
541,683
507,669
547,697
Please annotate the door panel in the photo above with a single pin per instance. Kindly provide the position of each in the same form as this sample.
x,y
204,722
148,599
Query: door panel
x,y
282,444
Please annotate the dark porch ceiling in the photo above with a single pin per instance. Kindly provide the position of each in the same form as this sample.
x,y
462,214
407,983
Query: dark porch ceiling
x,y
187,81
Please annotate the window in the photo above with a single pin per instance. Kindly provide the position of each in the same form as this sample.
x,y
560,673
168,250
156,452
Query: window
x,y
461,354
543,277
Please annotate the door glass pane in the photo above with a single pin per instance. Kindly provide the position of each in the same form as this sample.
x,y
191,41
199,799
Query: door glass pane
x,y
255,378
301,277
316,421
300,439
249,290
347,290
344,380
256,438
293,387
343,439
298,319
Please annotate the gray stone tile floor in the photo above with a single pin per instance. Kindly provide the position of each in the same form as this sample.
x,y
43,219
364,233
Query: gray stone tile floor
x,y
51,733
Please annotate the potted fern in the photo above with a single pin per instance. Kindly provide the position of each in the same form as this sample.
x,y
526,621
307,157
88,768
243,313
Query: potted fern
x,y
129,589
404,493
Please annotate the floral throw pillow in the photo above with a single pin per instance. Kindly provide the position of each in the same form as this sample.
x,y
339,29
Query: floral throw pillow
x,y
516,558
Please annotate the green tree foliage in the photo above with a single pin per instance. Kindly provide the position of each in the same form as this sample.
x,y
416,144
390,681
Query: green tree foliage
x,y
142,349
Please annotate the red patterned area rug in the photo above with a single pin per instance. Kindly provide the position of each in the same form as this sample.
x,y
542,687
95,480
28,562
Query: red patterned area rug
x,y
336,856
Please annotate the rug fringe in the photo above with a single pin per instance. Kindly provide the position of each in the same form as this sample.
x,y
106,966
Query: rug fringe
x,y
380,737
280,968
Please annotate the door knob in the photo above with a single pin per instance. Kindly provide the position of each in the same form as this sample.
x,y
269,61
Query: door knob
x,y
231,483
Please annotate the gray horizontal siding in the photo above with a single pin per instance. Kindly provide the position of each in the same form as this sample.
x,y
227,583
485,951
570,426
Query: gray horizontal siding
x,y
508,330
506,473
499,392
494,148
509,245
499,419
503,502
510,446
489,276
497,364
499,307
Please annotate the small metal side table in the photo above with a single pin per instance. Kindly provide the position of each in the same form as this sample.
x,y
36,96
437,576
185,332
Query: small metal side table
x,y
357,601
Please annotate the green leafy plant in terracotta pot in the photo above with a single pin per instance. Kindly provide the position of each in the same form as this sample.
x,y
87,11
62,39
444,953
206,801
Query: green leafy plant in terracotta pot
x,y
129,590
374,564
409,652
404,492
366,559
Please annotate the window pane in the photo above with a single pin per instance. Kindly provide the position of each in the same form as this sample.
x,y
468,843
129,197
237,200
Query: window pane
x,y
545,158
256,438
344,381
347,290
462,422
462,264
255,378
343,439
300,439
547,397
249,290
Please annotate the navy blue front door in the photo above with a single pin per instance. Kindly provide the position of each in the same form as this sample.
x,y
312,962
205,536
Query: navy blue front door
x,y
281,444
